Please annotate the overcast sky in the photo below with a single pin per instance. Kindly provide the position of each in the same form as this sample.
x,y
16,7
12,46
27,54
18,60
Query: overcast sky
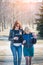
x,y
24,0
27,0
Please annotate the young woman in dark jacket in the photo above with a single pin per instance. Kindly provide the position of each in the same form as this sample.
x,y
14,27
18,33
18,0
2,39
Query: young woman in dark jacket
x,y
15,37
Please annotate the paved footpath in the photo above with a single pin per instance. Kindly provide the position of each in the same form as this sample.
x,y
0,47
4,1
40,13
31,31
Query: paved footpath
x,y
6,57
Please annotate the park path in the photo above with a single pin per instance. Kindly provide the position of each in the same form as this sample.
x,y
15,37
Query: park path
x,y
6,57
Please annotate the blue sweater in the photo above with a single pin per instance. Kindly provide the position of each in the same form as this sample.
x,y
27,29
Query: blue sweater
x,y
28,38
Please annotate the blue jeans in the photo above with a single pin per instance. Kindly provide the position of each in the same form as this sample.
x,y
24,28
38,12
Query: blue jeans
x,y
17,54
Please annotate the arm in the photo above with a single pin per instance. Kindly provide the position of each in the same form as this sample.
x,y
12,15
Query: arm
x,y
34,39
10,36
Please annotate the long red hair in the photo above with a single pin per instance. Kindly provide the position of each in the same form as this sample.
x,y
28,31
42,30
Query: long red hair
x,y
15,24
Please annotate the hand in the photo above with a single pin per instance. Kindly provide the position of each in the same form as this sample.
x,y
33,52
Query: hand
x,y
24,41
15,38
34,35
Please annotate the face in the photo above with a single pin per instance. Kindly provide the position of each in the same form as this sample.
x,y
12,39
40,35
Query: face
x,y
27,31
17,26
